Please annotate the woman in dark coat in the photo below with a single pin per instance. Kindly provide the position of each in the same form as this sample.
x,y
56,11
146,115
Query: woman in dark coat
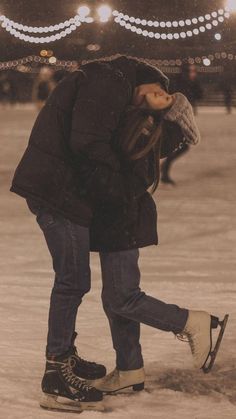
x,y
119,231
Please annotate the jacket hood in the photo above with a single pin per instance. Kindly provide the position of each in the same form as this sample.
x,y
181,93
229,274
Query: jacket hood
x,y
137,71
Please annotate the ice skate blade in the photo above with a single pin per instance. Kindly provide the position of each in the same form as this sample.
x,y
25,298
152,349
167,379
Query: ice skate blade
x,y
62,404
207,367
135,387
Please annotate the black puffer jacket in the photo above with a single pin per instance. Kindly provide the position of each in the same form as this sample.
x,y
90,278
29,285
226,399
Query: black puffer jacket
x,y
69,165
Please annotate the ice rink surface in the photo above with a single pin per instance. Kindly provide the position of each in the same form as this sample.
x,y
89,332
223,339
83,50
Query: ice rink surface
x,y
194,266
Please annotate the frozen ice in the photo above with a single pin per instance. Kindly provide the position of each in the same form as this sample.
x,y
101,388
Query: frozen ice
x,y
194,266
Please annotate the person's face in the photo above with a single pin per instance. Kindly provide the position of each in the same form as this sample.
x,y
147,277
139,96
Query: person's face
x,y
159,100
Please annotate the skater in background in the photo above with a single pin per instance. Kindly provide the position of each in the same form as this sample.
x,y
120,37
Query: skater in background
x,y
148,132
226,87
188,84
43,86
7,89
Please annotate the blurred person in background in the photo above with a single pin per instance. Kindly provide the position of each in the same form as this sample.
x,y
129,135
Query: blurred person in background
x,y
188,84
7,91
226,87
43,86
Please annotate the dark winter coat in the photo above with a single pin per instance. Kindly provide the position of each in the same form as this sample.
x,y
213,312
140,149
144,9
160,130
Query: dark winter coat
x,y
127,225
69,165
133,224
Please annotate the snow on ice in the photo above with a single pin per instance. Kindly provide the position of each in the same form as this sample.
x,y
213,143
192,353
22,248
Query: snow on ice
x,y
194,266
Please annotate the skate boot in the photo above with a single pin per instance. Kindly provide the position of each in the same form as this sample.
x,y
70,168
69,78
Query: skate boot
x,y
198,333
85,369
119,380
64,391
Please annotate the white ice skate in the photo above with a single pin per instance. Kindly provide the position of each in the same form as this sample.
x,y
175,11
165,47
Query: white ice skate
x,y
198,333
119,380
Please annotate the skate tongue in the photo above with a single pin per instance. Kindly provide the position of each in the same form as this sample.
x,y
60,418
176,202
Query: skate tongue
x,y
62,357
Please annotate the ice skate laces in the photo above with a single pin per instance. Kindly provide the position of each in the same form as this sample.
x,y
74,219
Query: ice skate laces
x,y
187,338
71,378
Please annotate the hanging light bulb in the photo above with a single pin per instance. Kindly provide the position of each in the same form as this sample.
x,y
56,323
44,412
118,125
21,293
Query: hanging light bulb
x,y
83,11
104,13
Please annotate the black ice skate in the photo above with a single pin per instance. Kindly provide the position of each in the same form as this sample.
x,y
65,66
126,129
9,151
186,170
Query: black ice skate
x,y
85,369
64,391
198,332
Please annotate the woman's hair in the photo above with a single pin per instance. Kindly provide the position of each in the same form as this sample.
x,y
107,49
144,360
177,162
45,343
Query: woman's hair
x,y
140,134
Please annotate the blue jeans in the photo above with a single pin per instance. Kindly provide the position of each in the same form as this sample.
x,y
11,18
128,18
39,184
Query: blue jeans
x,y
126,306
68,244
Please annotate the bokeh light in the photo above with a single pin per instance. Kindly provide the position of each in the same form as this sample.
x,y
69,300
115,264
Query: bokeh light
x,y
231,5
206,62
104,13
83,11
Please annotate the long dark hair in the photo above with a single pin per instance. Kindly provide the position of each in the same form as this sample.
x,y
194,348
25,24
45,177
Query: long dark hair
x,y
140,135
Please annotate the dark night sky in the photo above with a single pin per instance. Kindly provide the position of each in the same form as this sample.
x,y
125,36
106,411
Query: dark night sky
x,y
112,37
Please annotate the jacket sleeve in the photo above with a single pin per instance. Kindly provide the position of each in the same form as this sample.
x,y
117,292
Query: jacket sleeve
x,y
172,137
96,115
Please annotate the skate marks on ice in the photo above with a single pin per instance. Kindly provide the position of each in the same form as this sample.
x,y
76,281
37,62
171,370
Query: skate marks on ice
x,y
219,384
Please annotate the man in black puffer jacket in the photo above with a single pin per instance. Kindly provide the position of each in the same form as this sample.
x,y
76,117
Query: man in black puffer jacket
x,y
69,155
69,166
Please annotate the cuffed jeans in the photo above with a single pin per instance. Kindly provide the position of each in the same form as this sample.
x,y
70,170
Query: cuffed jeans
x,y
126,306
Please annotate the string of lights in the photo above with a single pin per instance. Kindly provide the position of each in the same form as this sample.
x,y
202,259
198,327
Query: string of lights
x,y
66,28
8,65
186,28
43,39
218,15
76,20
206,60
170,36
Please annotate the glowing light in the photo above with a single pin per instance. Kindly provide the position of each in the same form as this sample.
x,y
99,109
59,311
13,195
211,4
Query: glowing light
x,y
93,47
52,60
231,5
105,13
206,62
43,53
83,11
